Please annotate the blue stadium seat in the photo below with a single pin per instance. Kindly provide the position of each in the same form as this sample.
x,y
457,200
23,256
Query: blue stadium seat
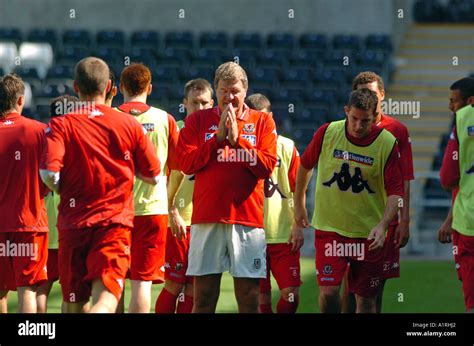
x,y
427,11
296,76
11,35
281,40
214,40
265,74
2,72
306,58
77,38
330,77
311,118
212,56
27,72
50,91
112,56
174,57
70,55
41,112
318,96
159,92
145,39
179,40
337,58
346,42
44,35
244,40
144,55
314,41
303,136
290,95
111,38
246,57
60,73
199,72
379,42
370,57
262,88
272,57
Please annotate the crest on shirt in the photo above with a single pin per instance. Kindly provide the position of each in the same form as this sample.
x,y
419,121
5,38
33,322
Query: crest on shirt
x,y
208,136
251,138
249,128
470,131
150,127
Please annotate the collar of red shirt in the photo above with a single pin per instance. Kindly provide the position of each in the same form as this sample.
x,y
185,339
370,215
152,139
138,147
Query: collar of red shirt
x,y
244,116
10,116
374,132
128,106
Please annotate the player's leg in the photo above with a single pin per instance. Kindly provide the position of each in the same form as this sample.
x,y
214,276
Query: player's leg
x,y
466,264
366,305
147,259
246,292
121,304
265,296
330,270
186,298
286,270
27,299
348,300
42,296
3,301
175,273
391,263
206,293
379,298
107,264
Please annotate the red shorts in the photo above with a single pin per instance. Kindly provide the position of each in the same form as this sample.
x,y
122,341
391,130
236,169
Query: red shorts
x,y
177,258
465,250
335,252
391,259
148,248
88,254
23,259
285,266
455,238
52,265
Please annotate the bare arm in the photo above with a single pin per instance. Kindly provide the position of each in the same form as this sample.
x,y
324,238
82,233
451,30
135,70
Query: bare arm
x,y
302,180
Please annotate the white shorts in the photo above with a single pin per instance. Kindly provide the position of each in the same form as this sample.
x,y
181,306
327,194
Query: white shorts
x,y
216,247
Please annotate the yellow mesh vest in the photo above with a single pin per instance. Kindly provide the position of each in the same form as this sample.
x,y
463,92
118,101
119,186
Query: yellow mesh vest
x,y
278,212
51,202
152,199
184,197
350,191
463,211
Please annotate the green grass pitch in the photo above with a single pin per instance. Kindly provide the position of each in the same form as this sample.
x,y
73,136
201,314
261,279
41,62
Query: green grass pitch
x,y
425,286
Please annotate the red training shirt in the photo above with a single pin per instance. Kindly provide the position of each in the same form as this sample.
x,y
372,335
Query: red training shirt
x,y
228,189
21,190
97,152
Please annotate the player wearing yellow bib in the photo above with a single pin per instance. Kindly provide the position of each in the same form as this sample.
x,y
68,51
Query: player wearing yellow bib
x,y
283,240
358,192
151,202
198,95
58,107
457,173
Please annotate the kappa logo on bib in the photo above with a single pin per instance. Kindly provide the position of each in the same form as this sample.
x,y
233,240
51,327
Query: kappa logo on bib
x,y
345,181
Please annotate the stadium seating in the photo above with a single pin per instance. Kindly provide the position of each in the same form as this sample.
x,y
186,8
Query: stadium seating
x,y
305,70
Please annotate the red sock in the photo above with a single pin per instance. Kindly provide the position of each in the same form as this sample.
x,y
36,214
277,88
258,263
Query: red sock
x,y
166,303
266,309
284,307
186,306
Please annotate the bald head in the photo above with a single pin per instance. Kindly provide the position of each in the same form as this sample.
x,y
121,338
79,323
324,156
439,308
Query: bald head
x,y
91,76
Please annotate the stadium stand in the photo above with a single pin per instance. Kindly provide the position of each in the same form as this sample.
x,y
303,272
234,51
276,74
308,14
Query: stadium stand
x,y
302,75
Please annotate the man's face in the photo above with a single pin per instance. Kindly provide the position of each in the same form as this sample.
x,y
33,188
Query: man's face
x,y
359,121
231,92
456,101
197,100
375,88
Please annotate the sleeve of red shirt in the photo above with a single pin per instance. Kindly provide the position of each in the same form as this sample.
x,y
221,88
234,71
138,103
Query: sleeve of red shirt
x,y
295,163
449,172
44,190
310,157
406,156
194,156
52,157
266,150
146,161
172,144
393,174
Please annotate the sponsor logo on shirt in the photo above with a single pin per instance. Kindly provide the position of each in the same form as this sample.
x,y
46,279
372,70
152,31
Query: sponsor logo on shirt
x,y
149,127
8,122
348,156
251,138
249,128
208,136
95,113
470,131
257,263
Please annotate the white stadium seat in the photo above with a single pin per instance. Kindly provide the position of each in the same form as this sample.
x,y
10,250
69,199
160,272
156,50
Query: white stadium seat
x,y
38,55
8,52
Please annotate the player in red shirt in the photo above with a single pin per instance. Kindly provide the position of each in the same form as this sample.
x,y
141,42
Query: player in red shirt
x,y
461,95
151,203
231,149
398,232
179,287
92,157
351,215
23,221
